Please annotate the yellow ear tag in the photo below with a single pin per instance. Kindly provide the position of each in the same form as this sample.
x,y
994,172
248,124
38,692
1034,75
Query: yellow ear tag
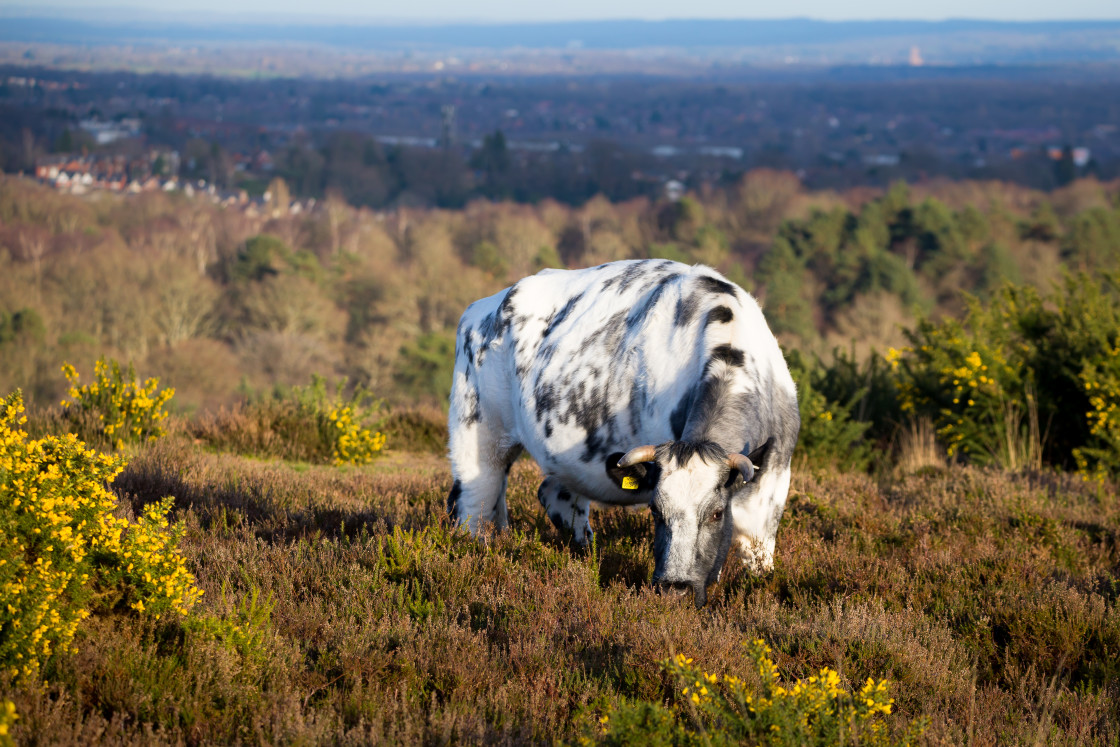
x,y
629,483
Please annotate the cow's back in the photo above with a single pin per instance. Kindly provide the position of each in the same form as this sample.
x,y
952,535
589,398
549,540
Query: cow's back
x,y
577,365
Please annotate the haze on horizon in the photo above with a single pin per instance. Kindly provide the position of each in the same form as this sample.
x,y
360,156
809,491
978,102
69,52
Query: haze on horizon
x,y
512,11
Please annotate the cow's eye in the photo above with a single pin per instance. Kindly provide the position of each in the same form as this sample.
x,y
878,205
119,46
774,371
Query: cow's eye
x,y
717,515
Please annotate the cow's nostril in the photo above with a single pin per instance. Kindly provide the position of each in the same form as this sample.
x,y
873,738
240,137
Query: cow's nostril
x,y
674,589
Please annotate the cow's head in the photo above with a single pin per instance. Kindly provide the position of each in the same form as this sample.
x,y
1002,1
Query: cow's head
x,y
691,509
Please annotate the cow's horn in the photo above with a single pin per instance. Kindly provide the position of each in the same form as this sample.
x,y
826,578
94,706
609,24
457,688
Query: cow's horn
x,y
743,464
638,455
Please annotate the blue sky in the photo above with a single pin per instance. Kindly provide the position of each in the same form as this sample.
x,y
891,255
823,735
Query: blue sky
x,y
520,10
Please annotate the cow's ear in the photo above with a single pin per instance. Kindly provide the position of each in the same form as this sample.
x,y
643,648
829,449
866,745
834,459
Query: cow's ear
x,y
758,456
736,479
641,476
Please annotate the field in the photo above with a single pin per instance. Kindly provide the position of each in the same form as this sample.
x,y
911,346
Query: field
x,y
989,600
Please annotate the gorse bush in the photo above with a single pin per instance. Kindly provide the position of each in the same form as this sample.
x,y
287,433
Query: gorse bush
x,y
715,710
147,568
126,411
62,546
1101,382
304,423
8,717
1023,379
55,512
965,382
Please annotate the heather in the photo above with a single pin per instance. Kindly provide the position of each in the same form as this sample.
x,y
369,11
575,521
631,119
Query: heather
x,y
339,606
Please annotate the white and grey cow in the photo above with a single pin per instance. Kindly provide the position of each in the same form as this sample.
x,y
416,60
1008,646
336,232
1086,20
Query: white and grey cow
x,y
637,382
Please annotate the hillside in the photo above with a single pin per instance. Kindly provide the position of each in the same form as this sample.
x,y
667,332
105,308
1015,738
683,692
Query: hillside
x,y
263,555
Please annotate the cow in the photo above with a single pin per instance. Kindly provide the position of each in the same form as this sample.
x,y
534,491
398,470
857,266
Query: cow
x,y
634,382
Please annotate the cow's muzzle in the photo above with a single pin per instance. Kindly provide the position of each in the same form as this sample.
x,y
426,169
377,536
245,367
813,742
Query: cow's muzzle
x,y
674,588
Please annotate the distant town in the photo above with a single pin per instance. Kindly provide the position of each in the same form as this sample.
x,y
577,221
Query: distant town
x,y
445,136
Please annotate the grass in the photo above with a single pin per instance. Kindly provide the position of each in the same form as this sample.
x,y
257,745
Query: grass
x,y
340,607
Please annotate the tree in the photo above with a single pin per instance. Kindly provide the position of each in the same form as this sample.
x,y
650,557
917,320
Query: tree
x,y
492,159
1065,170
280,198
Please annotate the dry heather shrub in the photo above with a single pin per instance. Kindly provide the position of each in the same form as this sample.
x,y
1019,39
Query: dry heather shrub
x,y
971,591
420,428
916,447
304,423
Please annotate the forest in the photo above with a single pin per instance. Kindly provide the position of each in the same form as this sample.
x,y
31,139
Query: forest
x,y
226,302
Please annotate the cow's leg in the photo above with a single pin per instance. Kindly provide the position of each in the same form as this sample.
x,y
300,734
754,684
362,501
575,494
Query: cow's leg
x,y
756,522
480,463
569,512
500,515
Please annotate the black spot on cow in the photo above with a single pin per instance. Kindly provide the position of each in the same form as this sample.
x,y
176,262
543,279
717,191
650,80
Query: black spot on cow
x,y
597,441
687,306
715,286
453,498
732,356
640,311
679,417
637,403
471,412
545,395
494,325
468,348
544,355
719,315
555,319
627,276
606,340
557,520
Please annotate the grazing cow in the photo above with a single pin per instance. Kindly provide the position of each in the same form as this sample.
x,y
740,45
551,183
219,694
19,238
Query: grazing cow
x,y
589,370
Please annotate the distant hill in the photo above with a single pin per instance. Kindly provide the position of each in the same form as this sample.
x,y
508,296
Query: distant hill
x,y
599,35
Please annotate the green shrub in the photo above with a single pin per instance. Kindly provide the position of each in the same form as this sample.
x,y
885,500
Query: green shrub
x,y
62,546
1101,382
125,410
425,367
829,435
868,386
727,710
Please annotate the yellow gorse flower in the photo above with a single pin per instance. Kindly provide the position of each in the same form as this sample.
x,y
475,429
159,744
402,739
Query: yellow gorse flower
x,y
806,709
59,517
8,717
127,410
351,443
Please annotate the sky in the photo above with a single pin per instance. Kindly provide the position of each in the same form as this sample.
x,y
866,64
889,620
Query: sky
x,y
444,11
